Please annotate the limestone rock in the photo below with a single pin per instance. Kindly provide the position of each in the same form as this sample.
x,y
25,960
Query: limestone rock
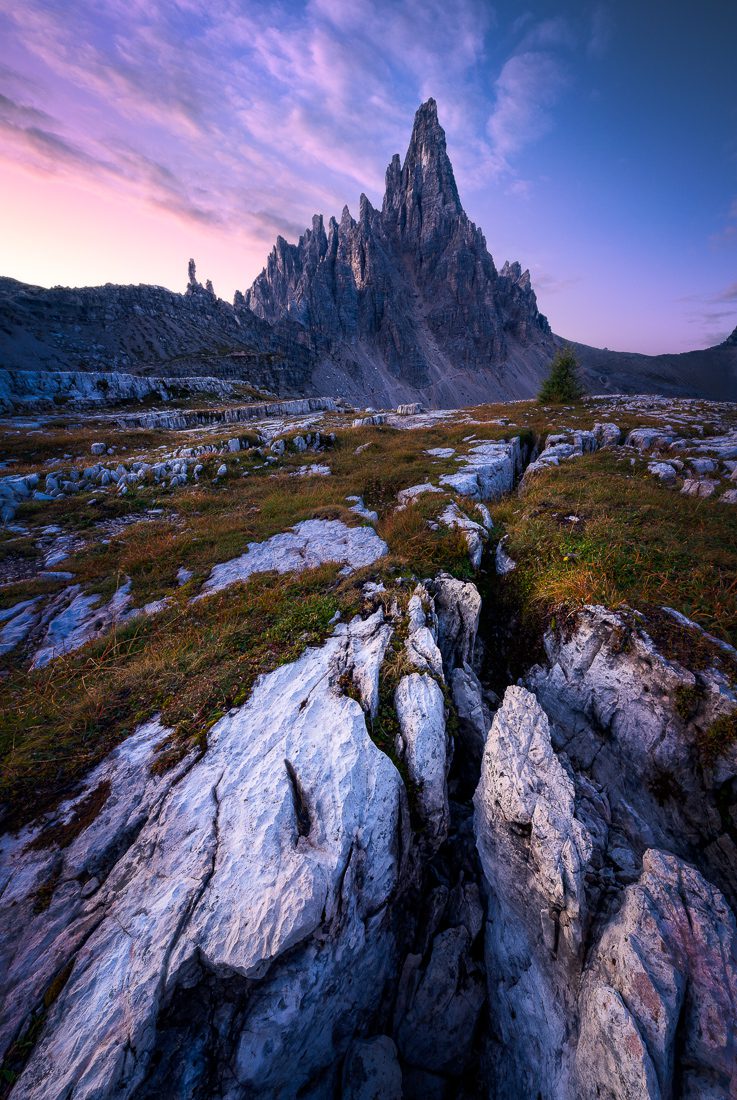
x,y
658,998
535,851
307,545
449,988
607,434
524,787
699,487
458,606
75,618
502,561
663,471
247,908
645,439
488,472
474,717
474,533
612,701
420,708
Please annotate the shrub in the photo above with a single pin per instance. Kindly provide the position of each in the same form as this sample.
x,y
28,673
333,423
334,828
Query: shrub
x,y
563,385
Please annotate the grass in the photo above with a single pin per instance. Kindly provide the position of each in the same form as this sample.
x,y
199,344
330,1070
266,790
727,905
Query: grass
x,y
193,661
634,544
718,737
189,664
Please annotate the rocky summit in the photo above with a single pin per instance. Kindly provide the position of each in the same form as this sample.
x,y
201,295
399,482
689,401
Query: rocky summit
x,y
408,298
374,755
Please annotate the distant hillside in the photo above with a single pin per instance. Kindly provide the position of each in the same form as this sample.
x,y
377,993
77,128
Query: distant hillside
x,y
147,330
711,373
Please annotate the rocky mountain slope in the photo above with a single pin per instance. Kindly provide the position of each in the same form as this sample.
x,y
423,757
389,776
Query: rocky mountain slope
x,y
711,372
147,330
390,755
408,298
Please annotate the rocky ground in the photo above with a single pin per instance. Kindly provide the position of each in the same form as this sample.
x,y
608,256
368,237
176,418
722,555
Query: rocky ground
x,y
370,754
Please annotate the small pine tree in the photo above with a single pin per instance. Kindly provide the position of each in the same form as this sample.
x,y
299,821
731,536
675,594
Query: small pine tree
x,y
563,385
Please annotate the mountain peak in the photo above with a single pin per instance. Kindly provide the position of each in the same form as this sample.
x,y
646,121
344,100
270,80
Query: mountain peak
x,y
411,289
731,341
426,179
427,112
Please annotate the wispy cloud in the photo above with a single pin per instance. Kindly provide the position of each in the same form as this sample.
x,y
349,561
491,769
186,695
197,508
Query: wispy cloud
x,y
552,284
526,91
729,294
708,315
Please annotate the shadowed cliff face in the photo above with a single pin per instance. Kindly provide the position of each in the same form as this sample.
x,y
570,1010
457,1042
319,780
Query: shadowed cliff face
x,y
411,287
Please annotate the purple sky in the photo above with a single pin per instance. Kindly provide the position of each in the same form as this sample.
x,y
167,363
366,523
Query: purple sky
x,y
594,142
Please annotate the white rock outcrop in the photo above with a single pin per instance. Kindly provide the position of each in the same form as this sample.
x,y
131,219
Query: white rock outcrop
x,y
659,995
535,852
268,866
305,546
488,471
612,700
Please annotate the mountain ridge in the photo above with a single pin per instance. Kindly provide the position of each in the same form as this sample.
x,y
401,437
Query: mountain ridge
x,y
410,291
404,303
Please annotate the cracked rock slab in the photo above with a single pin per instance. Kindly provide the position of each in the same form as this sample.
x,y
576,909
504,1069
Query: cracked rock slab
x,y
272,878
659,996
307,545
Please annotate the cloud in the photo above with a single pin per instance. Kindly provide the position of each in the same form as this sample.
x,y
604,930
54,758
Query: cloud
x,y
526,91
552,284
257,107
250,117
727,295
727,235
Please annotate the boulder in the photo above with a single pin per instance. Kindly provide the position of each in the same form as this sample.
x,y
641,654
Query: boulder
x,y
658,996
699,487
305,546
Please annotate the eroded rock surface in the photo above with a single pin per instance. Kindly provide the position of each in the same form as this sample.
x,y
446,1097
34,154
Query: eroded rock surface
x,y
266,870
305,546
659,996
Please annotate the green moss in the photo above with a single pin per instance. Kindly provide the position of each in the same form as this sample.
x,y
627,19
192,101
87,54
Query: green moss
x,y
686,700
720,736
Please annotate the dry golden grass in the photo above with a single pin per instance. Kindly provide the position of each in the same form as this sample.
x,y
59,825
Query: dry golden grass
x,y
636,543
189,664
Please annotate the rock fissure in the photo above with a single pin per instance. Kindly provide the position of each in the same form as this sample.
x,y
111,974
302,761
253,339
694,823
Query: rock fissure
x,y
538,926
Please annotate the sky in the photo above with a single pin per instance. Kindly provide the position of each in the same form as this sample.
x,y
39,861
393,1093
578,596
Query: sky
x,y
595,142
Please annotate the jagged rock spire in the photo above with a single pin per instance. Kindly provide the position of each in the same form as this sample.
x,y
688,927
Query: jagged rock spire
x,y
411,288
425,182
